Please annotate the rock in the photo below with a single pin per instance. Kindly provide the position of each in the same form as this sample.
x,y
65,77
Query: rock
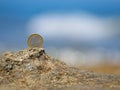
x,y
32,68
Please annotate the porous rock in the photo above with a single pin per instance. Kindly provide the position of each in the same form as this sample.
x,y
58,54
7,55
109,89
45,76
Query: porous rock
x,y
33,69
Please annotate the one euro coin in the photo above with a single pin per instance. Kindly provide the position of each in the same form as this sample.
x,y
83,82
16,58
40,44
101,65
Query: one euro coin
x,y
35,40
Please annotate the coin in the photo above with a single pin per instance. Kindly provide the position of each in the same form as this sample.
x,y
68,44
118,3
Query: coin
x,y
35,40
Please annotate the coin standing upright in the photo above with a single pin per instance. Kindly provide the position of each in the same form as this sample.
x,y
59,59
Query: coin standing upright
x,y
35,40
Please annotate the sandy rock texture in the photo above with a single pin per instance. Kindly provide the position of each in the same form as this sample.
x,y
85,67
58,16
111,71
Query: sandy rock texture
x,y
33,69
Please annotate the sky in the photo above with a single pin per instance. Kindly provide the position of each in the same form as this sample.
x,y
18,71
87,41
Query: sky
x,y
92,25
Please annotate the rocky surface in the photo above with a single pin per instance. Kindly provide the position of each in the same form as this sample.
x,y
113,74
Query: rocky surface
x,y
33,69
